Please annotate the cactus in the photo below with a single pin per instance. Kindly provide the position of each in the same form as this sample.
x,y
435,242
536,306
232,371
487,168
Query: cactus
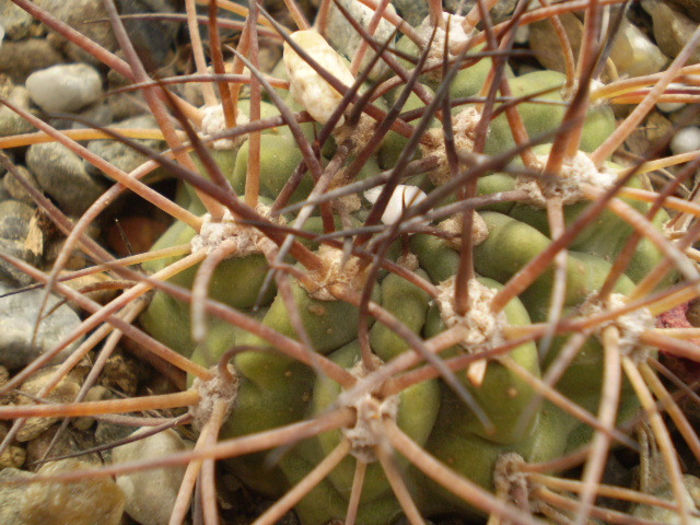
x,y
423,281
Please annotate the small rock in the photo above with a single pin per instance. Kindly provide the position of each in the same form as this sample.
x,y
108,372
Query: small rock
x,y
687,139
343,37
690,7
99,114
119,154
645,138
150,495
12,457
17,319
9,274
65,87
153,39
77,13
634,54
96,393
14,220
61,174
10,122
64,392
79,503
66,444
545,43
15,20
672,29
21,58
122,374
15,189
10,495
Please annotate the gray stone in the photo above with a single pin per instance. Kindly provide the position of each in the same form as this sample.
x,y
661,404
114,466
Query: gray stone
x,y
15,189
10,122
61,174
346,40
15,21
119,154
9,274
19,59
65,87
75,13
17,320
150,495
672,29
153,40
14,220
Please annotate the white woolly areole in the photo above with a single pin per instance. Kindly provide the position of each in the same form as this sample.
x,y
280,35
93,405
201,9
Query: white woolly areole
x,y
370,411
630,325
216,389
464,130
214,121
453,226
243,239
335,271
481,326
457,37
403,197
308,87
510,479
567,185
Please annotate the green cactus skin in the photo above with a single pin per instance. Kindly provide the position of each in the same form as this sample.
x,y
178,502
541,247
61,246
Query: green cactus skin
x,y
502,395
545,118
417,410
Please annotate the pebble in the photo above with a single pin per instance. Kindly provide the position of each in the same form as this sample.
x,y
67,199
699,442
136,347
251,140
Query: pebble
x,y
153,39
61,174
85,502
150,495
672,29
65,87
15,21
17,319
64,392
15,189
343,37
119,154
19,59
634,54
685,140
75,13
9,274
10,122
14,220
545,44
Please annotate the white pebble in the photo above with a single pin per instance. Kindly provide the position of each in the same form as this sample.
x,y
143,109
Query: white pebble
x,y
403,197
687,139
64,87
308,88
150,494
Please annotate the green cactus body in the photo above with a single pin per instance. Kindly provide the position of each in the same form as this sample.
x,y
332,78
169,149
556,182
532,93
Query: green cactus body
x,y
546,118
409,304
502,394
416,412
